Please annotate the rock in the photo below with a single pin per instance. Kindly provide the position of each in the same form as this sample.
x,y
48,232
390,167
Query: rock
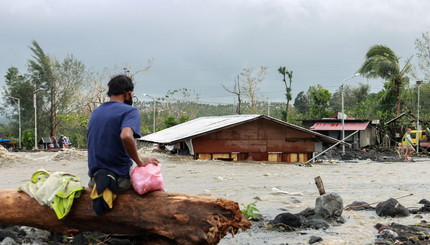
x,y
80,239
287,219
56,237
6,233
8,241
424,201
387,234
391,208
119,241
314,239
317,224
402,234
308,213
329,206
425,208
359,206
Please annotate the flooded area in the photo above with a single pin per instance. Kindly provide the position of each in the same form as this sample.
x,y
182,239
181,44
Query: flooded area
x,y
277,188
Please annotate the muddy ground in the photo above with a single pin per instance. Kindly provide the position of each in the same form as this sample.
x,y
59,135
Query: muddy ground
x,y
278,187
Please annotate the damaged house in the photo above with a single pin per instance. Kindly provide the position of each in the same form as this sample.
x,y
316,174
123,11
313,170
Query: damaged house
x,y
241,137
362,132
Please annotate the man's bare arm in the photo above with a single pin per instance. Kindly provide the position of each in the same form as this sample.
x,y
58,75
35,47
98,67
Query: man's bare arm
x,y
131,148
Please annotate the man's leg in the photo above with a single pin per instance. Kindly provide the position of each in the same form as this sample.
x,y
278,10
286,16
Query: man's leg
x,y
407,153
124,184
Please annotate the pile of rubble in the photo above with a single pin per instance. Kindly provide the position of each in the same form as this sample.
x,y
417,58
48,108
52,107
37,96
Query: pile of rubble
x,y
69,155
6,156
328,212
373,154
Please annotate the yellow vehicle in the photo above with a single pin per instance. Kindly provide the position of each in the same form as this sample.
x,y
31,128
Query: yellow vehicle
x,y
422,135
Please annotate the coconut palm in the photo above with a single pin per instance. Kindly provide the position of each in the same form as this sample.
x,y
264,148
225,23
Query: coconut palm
x,y
382,62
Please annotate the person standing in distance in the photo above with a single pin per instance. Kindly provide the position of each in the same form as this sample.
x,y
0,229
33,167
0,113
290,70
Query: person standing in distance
x,y
409,146
112,129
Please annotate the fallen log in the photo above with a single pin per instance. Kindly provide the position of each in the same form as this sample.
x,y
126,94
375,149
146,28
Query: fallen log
x,y
159,216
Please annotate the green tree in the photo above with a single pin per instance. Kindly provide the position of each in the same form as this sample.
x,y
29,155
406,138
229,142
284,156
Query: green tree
x,y
28,139
170,121
284,72
302,103
61,80
42,77
382,62
352,95
18,86
319,98
183,118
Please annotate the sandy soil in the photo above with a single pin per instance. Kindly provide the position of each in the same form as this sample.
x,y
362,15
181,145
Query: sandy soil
x,y
242,182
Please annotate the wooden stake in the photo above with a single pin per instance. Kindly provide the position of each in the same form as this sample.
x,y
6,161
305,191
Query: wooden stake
x,y
320,185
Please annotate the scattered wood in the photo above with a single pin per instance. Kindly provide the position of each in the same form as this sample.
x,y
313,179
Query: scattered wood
x,y
159,216
320,185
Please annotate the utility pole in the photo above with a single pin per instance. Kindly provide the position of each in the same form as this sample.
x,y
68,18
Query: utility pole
x,y
18,101
418,118
35,116
343,112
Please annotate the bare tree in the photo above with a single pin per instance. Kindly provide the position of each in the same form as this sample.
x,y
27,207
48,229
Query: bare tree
x,y
128,70
94,96
250,81
236,91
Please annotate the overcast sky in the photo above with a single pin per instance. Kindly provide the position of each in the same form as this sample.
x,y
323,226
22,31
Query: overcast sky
x,y
200,44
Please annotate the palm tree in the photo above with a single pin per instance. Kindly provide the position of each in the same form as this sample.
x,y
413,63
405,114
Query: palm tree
x,y
382,62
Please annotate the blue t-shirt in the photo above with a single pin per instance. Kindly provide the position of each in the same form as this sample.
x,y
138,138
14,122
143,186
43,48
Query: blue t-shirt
x,y
105,147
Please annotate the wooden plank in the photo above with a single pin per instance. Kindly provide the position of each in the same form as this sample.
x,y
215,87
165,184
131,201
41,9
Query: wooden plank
x,y
204,156
293,157
220,155
302,157
234,156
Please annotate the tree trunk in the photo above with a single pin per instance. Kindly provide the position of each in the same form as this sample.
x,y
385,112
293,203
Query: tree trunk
x,y
171,217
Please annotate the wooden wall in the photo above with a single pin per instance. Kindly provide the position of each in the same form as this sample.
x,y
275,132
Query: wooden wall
x,y
261,140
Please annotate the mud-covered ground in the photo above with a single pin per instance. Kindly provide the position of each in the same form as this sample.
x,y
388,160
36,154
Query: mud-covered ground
x,y
277,187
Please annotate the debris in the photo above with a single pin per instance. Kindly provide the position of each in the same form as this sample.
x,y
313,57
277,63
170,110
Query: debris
x,y
69,154
6,156
320,185
277,190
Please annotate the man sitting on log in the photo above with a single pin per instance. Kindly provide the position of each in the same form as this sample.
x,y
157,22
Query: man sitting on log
x,y
112,151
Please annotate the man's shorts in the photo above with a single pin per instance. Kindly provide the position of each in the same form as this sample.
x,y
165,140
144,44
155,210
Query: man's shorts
x,y
124,184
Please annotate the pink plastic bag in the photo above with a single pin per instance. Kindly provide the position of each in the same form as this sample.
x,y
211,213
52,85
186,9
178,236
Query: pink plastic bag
x,y
147,178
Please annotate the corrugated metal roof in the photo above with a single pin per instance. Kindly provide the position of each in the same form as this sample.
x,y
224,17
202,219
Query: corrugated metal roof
x,y
338,126
205,125
198,126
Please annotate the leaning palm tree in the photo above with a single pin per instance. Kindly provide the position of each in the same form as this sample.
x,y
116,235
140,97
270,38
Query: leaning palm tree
x,y
382,62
